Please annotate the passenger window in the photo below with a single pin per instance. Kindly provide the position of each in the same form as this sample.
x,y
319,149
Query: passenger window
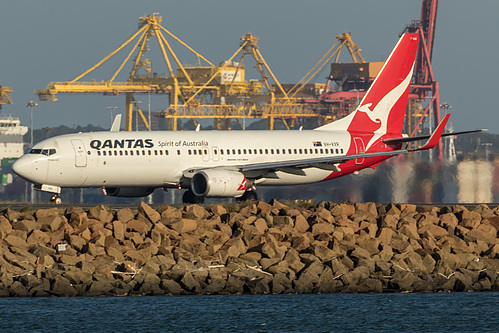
x,y
143,152
321,151
326,151
336,150
161,152
249,151
121,152
300,151
115,153
244,151
104,153
189,152
126,152
311,151
289,151
239,151
266,151
178,152
195,152
255,151
305,151
277,151
166,152
156,152
261,151
221,151
316,151
149,152
295,151
131,152
205,152
341,150
138,152
228,151
272,151
215,152
98,152
233,152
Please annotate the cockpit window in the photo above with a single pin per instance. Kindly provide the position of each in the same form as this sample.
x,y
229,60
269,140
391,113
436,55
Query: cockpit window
x,y
46,152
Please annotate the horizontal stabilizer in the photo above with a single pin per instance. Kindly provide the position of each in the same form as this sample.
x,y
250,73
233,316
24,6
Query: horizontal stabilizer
x,y
426,137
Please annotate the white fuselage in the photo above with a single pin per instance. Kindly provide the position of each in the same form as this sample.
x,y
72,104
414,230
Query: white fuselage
x,y
159,159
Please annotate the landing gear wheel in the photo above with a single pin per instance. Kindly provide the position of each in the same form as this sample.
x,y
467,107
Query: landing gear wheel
x,y
56,198
251,196
248,196
190,197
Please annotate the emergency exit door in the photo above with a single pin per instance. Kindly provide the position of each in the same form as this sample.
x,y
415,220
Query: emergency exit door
x,y
359,149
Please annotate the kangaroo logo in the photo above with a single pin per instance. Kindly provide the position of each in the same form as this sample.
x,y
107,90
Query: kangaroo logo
x,y
379,114
242,186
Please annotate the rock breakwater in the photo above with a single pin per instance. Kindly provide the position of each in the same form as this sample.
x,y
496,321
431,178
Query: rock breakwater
x,y
257,248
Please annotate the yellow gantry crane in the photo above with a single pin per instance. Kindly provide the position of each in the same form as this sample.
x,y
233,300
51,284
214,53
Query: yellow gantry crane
x,y
343,40
204,90
178,85
148,26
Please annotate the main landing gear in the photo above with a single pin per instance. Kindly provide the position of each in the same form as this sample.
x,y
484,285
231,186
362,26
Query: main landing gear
x,y
56,198
190,198
248,196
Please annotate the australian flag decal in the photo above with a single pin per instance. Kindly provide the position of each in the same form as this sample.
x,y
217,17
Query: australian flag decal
x,y
317,144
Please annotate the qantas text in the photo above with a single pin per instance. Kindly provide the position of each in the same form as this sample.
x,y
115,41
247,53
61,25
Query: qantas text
x,y
123,143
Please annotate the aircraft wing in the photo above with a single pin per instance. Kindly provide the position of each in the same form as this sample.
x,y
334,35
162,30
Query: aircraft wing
x,y
115,127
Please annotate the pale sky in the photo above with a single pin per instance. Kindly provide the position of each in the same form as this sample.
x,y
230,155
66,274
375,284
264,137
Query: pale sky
x,y
56,40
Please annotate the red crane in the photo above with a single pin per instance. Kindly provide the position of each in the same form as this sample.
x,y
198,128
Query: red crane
x,y
425,86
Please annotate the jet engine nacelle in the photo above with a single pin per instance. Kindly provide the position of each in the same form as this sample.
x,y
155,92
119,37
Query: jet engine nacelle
x,y
218,183
129,191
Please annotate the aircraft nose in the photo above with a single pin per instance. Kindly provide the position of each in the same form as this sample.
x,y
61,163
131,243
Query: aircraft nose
x,y
23,167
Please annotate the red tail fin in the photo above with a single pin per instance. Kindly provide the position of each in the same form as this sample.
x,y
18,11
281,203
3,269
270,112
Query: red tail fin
x,y
382,110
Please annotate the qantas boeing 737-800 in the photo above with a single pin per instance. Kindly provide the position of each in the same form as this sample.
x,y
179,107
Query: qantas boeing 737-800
x,y
233,163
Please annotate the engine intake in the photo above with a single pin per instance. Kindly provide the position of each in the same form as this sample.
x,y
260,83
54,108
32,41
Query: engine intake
x,y
218,183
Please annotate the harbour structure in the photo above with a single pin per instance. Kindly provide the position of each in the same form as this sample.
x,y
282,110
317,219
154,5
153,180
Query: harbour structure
x,y
11,130
11,137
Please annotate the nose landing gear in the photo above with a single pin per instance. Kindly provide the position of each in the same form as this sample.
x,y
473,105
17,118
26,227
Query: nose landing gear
x,y
56,198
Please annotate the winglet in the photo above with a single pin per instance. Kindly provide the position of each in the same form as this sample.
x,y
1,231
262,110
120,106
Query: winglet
x,y
437,134
115,127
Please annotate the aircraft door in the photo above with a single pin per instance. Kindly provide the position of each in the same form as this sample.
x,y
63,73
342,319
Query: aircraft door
x,y
359,149
215,153
80,156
